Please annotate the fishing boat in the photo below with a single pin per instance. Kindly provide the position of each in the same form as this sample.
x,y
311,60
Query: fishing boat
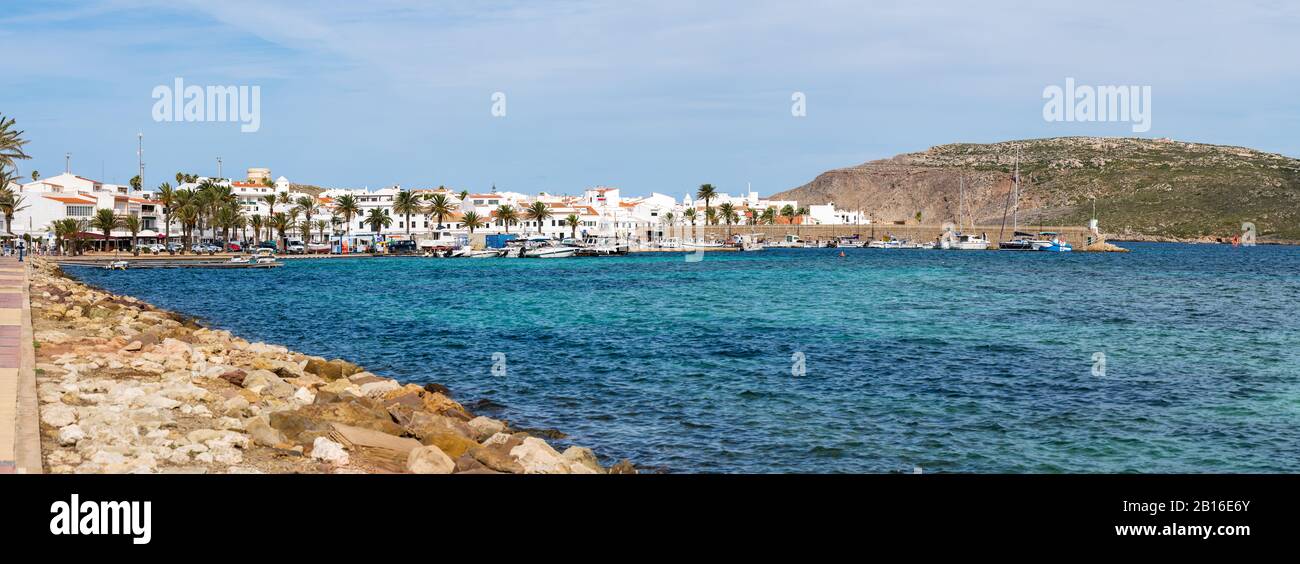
x,y
116,265
885,243
239,260
790,241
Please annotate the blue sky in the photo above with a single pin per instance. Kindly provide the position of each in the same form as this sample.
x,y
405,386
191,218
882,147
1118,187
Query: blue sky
x,y
648,96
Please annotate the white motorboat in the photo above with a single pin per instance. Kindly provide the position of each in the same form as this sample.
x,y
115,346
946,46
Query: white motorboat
x,y
962,242
546,248
601,247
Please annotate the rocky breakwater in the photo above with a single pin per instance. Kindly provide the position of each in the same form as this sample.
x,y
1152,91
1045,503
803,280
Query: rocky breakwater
x,y
125,387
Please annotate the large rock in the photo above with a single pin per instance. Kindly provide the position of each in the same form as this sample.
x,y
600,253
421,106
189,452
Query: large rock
x,y
330,369
429,460
264,434
494,453
484,427
325,450
56,415
266,383
359,412
623,467
537,457
68,436
582,460
298,427
450,435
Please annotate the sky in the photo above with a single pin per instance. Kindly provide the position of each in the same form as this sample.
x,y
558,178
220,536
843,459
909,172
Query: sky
x,y
655,96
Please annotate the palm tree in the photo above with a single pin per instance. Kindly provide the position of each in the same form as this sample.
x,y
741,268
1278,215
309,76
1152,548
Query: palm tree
x,y
440,206
308,206
710,216
132,224
271,201
10,202
167,197
188,215
36,175
227,218
538,212
769,215
256,223
689,214
377,219
11,143
707,192
321,226
281,223
800,212
406,204
64,230
463,195
669,218
507,215
728,213
67,234
106,221
304,229
573,222
472,221
346,205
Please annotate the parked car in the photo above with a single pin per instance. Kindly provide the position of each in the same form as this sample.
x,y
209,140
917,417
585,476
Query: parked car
x,y
155,248
175,247
235,248
296,249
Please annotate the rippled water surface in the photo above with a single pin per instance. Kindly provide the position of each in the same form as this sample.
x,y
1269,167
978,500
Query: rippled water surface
x,y
950,361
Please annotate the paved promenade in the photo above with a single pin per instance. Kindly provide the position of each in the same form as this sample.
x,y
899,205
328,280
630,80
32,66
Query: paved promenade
x,y
19,436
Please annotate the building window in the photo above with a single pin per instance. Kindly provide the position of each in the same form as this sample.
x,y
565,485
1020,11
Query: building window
x,y
80,211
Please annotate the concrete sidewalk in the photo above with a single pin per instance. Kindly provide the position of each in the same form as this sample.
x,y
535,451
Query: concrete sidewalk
x,y
19,422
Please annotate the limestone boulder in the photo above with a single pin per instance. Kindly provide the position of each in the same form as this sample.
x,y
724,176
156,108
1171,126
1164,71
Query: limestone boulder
x,y
429,459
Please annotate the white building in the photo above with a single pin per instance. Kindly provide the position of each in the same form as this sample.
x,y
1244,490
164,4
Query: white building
x,y
70,196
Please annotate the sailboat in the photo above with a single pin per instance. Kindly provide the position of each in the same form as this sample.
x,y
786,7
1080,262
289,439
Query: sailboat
x,y
956,240
1019,241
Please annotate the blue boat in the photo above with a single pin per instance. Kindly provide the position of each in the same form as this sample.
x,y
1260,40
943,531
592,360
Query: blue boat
x,y
1055,244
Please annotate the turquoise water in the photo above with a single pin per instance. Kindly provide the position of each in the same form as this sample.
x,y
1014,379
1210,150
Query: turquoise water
x,y
950,361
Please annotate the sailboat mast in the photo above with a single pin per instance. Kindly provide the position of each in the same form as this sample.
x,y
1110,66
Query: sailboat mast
x,y
961,201
1015,207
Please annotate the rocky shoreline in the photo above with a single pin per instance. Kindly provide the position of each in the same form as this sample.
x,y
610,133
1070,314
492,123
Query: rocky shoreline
x,y
125,387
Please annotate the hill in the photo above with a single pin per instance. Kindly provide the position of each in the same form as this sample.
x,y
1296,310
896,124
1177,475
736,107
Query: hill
x,y
1144,188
